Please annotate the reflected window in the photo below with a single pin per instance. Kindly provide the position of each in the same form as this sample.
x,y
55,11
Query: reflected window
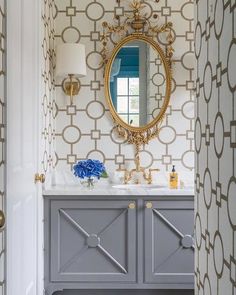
x,y
125,84
137,83
128,100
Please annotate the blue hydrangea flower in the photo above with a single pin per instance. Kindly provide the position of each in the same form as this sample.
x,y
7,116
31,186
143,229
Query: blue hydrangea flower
x,y
89,168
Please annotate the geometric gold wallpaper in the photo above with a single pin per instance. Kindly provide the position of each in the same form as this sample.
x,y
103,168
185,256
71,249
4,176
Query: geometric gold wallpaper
x,y
85,129
2,138
48,85
215,200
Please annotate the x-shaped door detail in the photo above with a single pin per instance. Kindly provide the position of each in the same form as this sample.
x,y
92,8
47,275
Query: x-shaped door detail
x,y
92,240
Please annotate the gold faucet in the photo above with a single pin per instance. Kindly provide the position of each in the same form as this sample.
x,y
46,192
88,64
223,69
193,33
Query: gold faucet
x,y
147,176
129,174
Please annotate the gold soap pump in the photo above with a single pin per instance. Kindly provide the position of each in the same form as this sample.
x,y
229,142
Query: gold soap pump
x,y
173,181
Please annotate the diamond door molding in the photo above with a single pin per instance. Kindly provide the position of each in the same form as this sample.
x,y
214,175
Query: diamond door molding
x,y
169,252
99,242
93,242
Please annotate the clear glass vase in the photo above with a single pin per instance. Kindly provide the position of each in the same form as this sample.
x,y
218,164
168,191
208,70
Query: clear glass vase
x,y
88,183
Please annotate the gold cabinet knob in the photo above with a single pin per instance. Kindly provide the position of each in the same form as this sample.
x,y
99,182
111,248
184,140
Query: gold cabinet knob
x,y
132,206
149,205
2,220
39,178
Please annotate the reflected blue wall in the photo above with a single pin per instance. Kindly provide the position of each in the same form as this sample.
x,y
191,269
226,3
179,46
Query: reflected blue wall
x,y
129,68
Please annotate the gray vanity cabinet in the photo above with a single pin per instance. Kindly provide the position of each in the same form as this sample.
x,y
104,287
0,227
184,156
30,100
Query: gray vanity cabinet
x,y
169,245
93,241
118,242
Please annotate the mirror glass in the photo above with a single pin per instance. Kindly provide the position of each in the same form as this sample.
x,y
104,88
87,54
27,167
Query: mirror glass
x,y
137,83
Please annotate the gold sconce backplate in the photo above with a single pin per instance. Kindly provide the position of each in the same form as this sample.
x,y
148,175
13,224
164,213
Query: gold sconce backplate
x,y
71,88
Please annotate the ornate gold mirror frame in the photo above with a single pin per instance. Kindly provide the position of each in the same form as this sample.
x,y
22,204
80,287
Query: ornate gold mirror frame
x,y
137,26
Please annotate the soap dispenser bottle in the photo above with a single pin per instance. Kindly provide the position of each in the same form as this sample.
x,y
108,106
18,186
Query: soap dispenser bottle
x,y
173,181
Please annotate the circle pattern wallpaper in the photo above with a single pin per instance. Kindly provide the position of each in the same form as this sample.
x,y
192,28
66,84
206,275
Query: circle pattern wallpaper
x,y
215,142
81,21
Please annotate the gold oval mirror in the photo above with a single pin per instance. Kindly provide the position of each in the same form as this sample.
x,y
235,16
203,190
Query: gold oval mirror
x,y
137,83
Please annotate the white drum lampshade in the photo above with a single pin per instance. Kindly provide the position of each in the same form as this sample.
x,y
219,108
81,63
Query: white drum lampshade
x,y
70,60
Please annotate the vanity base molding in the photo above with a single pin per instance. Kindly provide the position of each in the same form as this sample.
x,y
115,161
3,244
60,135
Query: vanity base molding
x,y
125,292
118,243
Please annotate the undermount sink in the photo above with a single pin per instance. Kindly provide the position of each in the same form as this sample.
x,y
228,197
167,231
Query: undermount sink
x,y
137,186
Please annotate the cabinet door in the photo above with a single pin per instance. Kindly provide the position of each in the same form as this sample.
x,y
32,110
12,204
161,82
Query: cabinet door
x,y
93,241
169,246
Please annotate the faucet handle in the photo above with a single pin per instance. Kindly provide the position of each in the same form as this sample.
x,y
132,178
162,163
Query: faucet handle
x,y
150,174
126,174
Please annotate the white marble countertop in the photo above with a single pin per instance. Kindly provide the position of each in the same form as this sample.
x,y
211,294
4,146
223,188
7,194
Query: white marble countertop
x,y
107,189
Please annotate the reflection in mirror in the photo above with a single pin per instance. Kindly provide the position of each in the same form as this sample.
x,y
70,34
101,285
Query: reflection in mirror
x,y
137,83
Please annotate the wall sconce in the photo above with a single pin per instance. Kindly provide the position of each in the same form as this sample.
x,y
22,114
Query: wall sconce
x,y
71,63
